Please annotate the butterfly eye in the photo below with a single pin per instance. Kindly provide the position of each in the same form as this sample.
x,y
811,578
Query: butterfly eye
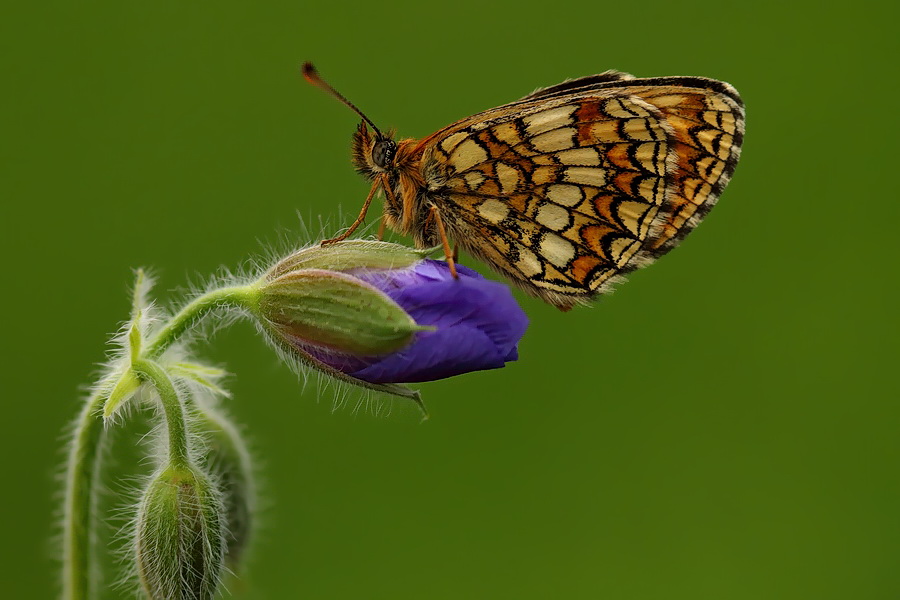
x,y
383,153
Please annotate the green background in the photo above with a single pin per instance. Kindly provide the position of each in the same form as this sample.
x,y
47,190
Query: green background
x,y
723,426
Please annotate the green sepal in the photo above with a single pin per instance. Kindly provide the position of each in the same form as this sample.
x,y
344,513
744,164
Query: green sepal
x,y
124,389
134,336
335,311
201,374
349,254
138,299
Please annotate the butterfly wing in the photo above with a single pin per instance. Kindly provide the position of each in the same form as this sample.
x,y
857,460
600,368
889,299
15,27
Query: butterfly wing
x,y
577,184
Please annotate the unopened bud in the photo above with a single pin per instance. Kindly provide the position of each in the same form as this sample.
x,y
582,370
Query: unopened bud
x,y
180,542
377,314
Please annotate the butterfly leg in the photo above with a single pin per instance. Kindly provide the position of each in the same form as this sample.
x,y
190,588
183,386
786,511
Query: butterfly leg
x,y
391,198
455,252
448,255
359,219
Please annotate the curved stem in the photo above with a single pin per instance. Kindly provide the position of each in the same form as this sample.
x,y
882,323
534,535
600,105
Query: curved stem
x,y
172,409
241,296
228,457
83,463
81,478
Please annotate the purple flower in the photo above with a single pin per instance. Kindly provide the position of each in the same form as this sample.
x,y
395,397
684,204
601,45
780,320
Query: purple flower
x,y
377,314
477,323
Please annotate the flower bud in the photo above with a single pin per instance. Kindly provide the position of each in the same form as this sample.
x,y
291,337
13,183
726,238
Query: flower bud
x,y
476,325
180,543
377,314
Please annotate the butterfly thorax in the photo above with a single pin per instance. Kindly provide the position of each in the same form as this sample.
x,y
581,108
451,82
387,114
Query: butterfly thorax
x,y
396,168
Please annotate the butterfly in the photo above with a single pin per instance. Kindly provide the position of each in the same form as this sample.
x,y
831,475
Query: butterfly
x,y
569,188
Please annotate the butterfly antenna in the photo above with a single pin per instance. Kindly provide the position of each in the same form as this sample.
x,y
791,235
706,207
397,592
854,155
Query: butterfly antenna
x,y
312,76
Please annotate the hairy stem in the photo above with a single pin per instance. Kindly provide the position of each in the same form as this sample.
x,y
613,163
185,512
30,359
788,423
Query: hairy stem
x,y
81,477
172,409
187,317
84,455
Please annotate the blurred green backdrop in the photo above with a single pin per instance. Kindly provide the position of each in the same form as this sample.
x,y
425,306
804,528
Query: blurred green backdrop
x,y
749,452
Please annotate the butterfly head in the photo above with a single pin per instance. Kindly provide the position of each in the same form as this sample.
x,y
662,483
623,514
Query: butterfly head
x,y
373,152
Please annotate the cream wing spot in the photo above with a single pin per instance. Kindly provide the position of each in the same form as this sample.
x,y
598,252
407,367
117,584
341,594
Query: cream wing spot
x,y
548,119
636,216
669,100
466,155
493,211
711,168
689,187
719,120
452,141
652,189
579,156
558,250
528,263
696,190
553,216
715,142
728,122
508,176
474,179
651,157
566,195
643,130
592,176
552,141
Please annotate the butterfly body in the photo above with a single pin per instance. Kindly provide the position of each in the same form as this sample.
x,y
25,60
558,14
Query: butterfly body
x,y
569,188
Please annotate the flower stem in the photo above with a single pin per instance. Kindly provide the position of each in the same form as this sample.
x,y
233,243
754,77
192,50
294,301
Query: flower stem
x,y
84,455
172,409
240,296
81,478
